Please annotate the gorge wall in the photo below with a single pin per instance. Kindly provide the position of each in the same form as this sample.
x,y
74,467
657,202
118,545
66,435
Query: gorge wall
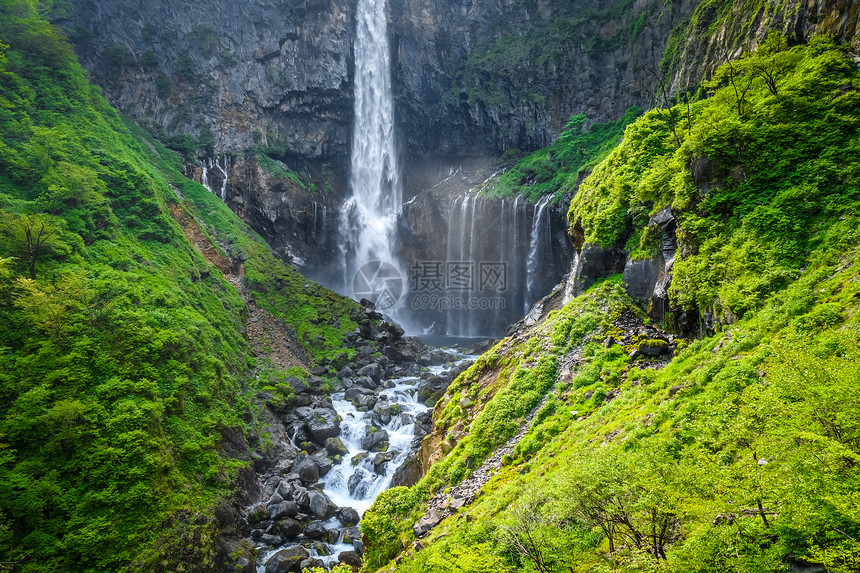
x,y
470,77
241,88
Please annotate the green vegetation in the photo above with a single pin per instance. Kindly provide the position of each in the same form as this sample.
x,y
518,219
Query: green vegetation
x,y
759,175
741,452
557,168
122,359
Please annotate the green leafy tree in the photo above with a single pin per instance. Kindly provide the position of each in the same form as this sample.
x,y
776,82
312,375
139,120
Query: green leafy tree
x,y
31,237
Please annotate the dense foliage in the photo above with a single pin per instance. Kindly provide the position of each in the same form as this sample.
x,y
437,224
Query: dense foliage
x,y
739,454
754,174
558,168
123,363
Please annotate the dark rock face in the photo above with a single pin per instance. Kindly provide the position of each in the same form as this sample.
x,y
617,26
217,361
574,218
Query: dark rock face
x,y
270,72
647,280
536,76
294,218
279,72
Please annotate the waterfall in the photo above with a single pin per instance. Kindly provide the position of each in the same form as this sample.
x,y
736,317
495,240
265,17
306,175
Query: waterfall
x,y
209,166
224,170
486,232
539,242
370,216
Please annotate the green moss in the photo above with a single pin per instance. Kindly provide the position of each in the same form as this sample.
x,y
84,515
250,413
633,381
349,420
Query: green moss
x,y
122,359
771,184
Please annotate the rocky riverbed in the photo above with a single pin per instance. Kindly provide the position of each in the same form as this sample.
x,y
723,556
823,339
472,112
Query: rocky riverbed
x,y
327,453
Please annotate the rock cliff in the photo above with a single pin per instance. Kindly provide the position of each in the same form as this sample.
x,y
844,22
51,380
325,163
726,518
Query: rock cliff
x,y
470,75
721,30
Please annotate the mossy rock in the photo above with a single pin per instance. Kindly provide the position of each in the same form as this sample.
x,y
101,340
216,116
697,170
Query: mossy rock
x,y
653,347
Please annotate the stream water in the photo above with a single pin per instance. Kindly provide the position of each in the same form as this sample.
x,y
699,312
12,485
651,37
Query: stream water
x,y
362,475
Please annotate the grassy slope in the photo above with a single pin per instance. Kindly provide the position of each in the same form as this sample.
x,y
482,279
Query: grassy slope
x,y
745,448
123,363
558,168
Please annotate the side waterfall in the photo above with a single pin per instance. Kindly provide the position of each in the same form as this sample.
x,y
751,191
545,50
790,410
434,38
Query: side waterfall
x,y
509,235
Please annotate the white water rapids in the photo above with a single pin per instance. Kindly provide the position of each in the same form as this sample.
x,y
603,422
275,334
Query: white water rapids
x,y
355,482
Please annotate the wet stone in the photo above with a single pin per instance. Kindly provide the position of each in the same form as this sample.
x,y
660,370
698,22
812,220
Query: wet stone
x,y
351,534
347,516
289,528
316,530
270,540
287,560
335,447
283,509
351,558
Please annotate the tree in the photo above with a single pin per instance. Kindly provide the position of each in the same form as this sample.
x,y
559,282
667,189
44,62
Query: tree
x,y
525,534
48,306
31,236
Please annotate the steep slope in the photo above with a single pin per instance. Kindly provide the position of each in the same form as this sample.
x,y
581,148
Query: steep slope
x,y
647,452
127,384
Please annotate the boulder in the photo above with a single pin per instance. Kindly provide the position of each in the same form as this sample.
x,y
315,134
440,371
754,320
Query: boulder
x,y
350,558
311,563
323,424
335,447
257,514
301,498
380,460
307,468
352,393
430,520
319,505
315,530
297,384
289,527
351,534
287,560
347,516
429,391
346,372
372,371
365,403
373,442
366,381
283,509
382,412
270,540
323,462
653,347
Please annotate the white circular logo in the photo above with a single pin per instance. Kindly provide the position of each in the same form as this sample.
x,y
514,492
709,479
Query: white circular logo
x,y
379,282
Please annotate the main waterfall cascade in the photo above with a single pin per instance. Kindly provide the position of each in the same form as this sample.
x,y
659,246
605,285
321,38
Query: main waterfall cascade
x,y
496,258
369,218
